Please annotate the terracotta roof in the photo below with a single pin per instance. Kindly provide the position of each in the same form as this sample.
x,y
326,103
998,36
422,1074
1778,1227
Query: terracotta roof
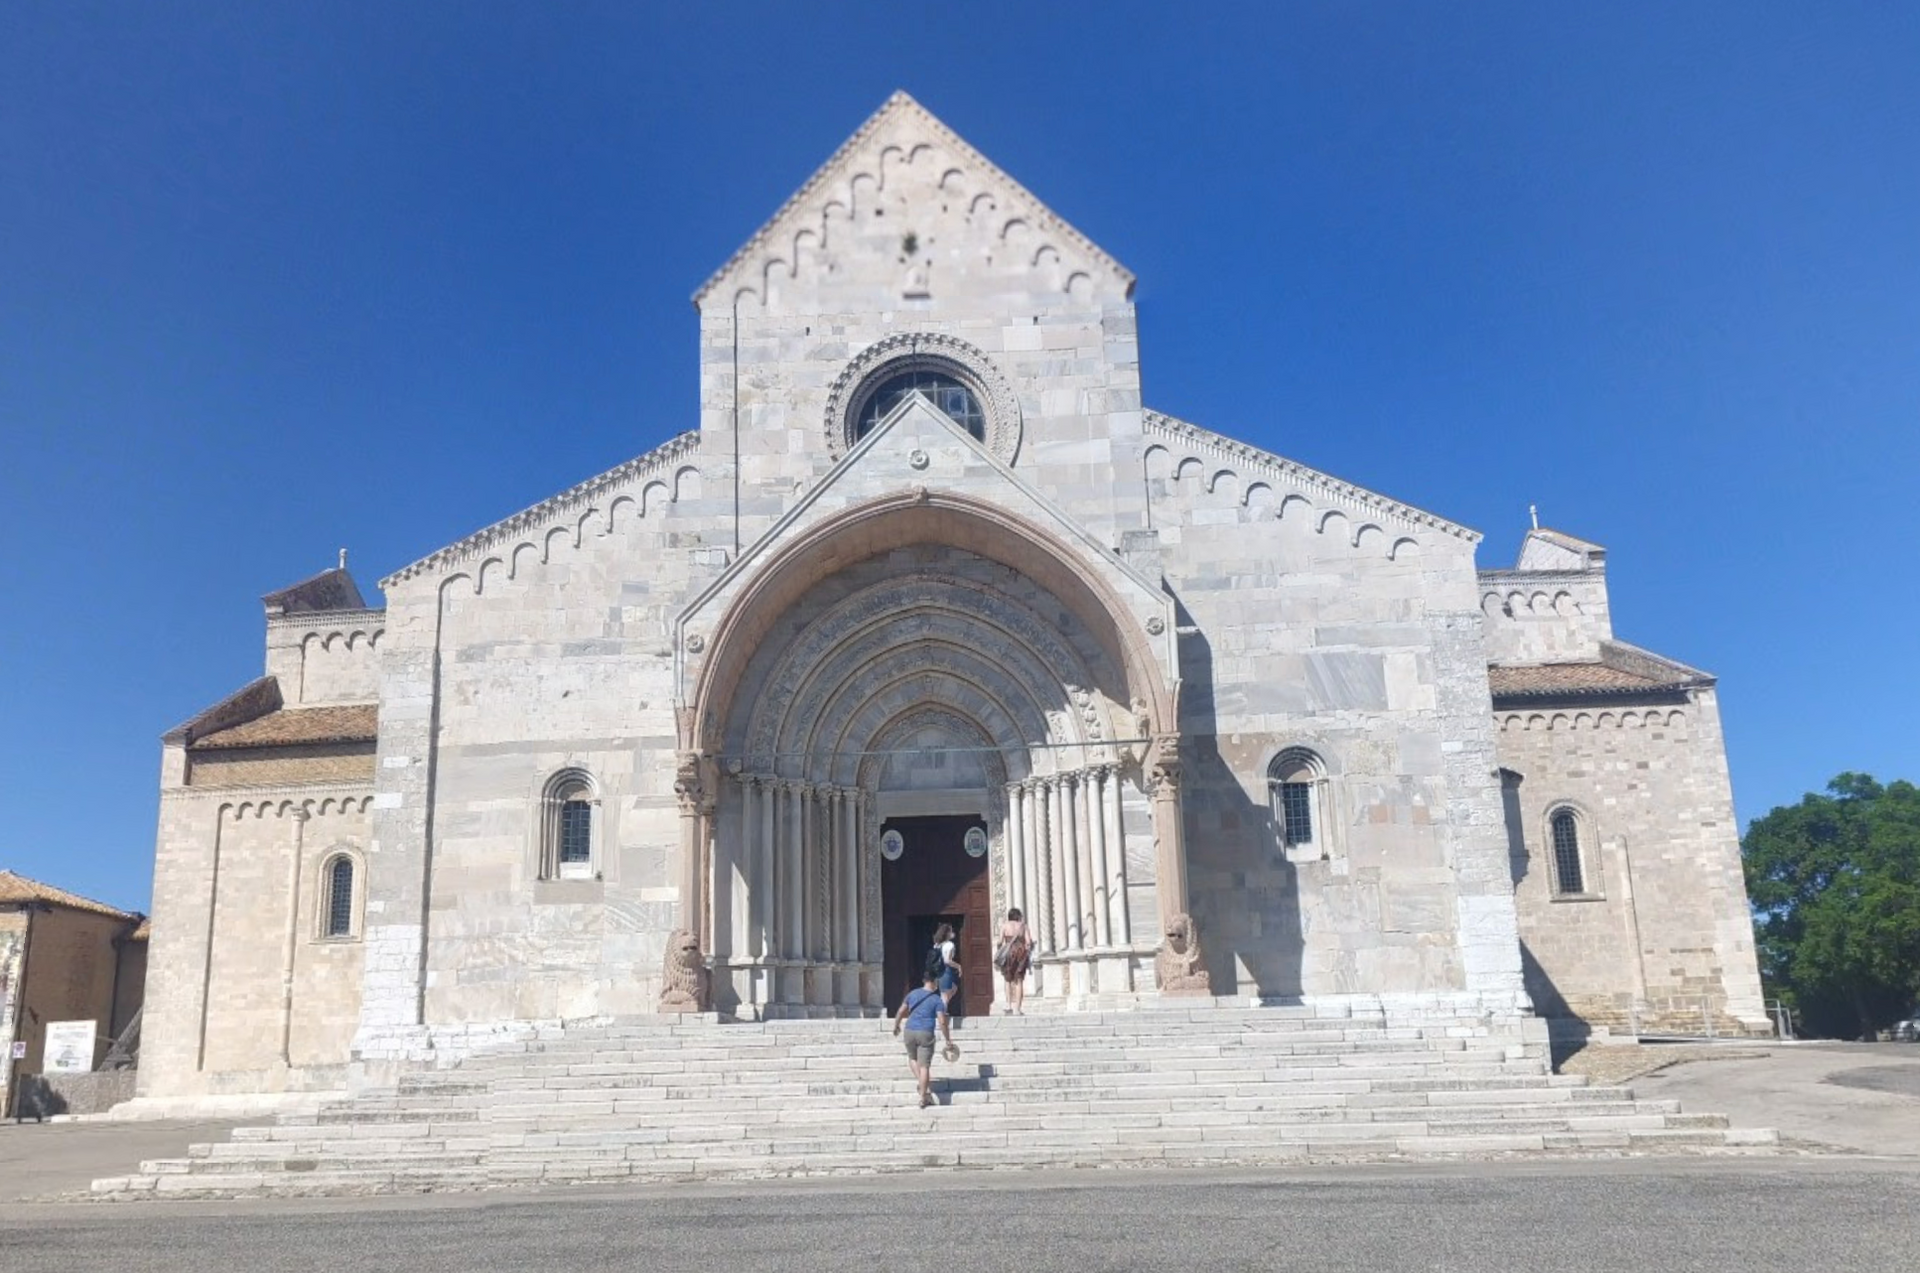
x,y
18,888
296,726
1622,670
1567,678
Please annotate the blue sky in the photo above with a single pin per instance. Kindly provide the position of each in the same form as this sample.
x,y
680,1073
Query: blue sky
x,y
276,279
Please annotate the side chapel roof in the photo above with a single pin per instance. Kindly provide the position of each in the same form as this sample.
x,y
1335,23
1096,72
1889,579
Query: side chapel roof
x,y
17,888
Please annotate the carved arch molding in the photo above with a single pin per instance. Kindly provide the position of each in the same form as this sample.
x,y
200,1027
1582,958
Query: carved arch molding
x,y
928,351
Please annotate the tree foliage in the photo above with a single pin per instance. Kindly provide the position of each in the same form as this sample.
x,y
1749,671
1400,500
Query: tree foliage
x,y
1835,886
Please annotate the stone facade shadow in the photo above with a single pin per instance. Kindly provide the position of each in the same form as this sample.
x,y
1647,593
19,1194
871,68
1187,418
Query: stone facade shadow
x,y
1242,891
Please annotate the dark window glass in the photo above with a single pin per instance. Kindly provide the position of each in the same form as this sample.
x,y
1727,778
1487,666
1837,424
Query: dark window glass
x,y
576,832
1296,812
943,391
1566,852
340,898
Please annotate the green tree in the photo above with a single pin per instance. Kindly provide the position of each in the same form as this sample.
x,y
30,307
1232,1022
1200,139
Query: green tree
x,y
1835,886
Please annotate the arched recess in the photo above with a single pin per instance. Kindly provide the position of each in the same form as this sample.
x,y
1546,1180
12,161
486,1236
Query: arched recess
x,y
963,630
907,520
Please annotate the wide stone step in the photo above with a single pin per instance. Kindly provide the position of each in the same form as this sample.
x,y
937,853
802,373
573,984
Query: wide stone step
x,y
903,1154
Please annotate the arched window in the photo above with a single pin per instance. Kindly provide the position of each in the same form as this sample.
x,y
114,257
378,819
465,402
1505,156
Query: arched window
x,y
1296,793
569,840
1568,873
336,900
944,391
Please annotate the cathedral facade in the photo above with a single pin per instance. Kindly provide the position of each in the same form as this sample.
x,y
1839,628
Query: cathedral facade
x,y
930,618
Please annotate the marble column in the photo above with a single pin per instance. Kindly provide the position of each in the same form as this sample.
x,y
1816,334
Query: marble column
x,y
793,887
1016,850
1114,816
1097,843
1062,908
765,898
1074,851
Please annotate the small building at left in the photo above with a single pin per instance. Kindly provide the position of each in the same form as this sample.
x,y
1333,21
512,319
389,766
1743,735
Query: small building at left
x,y
65,959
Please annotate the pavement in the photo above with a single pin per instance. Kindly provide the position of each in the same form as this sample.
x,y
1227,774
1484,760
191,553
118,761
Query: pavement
x,y
1848,1199
1853,1097
1753,1216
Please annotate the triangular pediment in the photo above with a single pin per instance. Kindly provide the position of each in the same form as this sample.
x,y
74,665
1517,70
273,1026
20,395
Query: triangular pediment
x,y
918,451
903,151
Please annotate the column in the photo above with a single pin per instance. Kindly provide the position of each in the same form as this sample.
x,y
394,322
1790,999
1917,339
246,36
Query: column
x,y
1039,867
849,887
1062,901
689,789
1097,842
1071,849
793,887
1016,848
765,894
692,791
1169,836
1113,815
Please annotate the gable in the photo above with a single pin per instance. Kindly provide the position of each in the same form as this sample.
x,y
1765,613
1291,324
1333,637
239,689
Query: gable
x,y
919,456
907,197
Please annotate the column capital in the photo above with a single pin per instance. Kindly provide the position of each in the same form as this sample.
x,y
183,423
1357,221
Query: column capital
x,y
692,781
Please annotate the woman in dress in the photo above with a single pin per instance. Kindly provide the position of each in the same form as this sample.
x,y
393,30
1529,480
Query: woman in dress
x,y
1016,953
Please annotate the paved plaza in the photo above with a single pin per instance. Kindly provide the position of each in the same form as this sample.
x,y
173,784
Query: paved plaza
x,y
1753,1216
1844,1195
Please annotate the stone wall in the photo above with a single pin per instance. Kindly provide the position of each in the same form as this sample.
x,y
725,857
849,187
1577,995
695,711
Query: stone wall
x,y
1319,617
326,657
246,993
1662,940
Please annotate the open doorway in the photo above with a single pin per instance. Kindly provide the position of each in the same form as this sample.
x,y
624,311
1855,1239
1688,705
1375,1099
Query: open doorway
x,y
935,881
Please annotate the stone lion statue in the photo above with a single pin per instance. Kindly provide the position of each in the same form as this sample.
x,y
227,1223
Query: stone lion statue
x,y
685,983
1178,965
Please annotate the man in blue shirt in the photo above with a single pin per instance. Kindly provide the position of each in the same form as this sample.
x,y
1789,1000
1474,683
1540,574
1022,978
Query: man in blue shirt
x,y
918,1013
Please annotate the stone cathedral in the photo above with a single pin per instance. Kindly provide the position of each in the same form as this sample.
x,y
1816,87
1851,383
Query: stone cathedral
x,y
926,618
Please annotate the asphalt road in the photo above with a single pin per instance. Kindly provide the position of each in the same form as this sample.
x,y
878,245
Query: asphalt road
x,y
1752,1216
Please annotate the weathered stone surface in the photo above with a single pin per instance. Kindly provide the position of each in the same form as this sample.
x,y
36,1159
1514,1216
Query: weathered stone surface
x,y
1105,633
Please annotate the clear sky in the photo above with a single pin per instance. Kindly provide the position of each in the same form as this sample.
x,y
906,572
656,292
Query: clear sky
x,y
276,279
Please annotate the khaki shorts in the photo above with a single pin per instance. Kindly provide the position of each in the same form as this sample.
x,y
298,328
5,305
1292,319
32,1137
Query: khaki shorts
x,y
919,1046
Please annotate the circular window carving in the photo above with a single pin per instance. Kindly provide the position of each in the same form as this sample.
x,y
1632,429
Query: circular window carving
x,y
954,376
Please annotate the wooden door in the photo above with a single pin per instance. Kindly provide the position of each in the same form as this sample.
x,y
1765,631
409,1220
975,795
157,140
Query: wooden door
x,y
936,882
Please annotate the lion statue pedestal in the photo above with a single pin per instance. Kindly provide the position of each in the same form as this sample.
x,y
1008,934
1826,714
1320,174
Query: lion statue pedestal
x,y
1178,965
685,983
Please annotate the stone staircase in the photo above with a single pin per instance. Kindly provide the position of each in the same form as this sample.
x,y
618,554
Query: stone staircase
x,y
665,1099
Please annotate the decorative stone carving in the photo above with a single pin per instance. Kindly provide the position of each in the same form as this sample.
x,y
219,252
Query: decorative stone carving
x,y
685,983
696,643
935,352
918,458
690,782
1178,965
1155,625
1163,778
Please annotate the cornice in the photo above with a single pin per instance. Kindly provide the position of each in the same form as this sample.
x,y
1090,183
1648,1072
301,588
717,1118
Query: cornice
x,y
898,103
572,499
1299,474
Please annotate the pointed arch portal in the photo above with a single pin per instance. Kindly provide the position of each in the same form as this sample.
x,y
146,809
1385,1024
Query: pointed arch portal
x,y
927,664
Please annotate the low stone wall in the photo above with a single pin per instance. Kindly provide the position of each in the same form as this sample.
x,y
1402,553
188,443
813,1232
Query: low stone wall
x,y
44,1095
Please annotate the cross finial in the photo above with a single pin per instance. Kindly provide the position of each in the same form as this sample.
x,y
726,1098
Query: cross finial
x,y
1533,511
343,558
